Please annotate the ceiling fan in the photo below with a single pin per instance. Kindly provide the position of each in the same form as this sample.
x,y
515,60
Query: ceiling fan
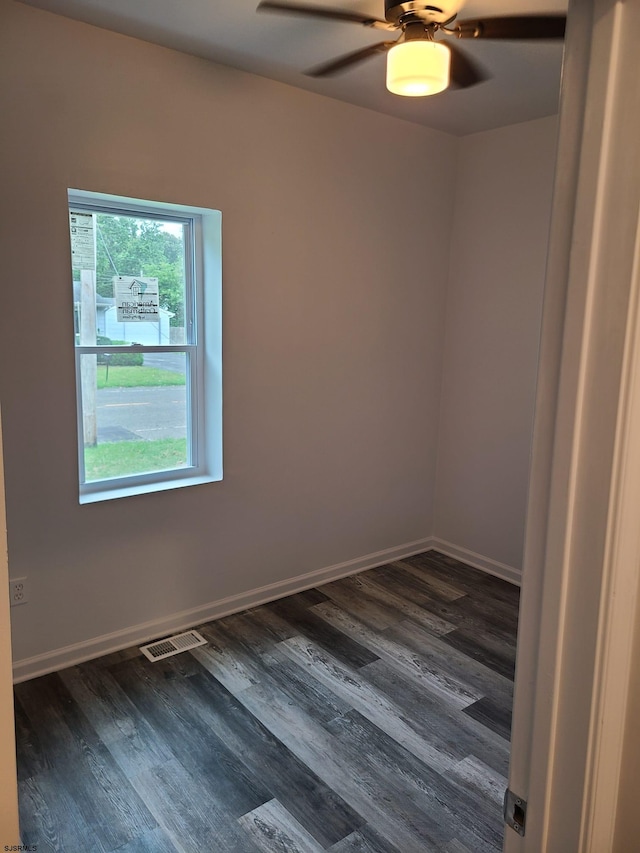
x,y
418,64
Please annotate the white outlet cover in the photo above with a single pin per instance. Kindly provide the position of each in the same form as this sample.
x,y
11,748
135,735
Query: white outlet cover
x,y
18,591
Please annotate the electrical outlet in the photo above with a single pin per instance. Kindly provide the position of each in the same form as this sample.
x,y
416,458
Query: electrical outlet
x,y
18,591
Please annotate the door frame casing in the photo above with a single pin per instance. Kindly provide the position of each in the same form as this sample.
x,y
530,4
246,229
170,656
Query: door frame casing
x,y
582,549
9,822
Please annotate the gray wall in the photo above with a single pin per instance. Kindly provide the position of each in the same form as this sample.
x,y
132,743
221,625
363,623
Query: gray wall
x,y
356,335
494,303
333,324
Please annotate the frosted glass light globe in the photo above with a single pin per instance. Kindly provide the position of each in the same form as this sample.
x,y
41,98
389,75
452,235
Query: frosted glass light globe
x,y
417,68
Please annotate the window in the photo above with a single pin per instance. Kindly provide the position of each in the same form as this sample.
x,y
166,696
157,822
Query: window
x,y
144,336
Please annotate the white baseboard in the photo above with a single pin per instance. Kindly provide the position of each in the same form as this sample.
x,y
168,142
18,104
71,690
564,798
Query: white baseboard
x,y
485,564
146,631
136,635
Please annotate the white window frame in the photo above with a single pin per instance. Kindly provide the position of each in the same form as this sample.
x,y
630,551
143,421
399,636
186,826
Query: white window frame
x,y
202,348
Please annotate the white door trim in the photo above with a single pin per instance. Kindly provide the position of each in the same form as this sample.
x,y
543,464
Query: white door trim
x,y
618,604
9,825
582,548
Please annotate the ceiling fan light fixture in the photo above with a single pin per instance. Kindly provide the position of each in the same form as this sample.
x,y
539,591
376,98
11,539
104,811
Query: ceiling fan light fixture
x,y
417,68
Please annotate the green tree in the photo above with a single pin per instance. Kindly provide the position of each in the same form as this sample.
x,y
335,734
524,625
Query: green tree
x,y
129,246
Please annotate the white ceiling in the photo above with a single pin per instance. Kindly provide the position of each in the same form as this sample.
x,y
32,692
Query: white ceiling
x,y
525,76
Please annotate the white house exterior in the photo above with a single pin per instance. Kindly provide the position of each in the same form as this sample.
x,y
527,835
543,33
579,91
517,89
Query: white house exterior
x,y
139,333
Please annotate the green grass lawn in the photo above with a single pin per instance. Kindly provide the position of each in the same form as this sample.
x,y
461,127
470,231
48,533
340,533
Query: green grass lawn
x,y
137,377
122,458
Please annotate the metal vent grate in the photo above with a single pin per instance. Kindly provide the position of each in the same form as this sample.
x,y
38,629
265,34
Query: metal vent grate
x,y
173,645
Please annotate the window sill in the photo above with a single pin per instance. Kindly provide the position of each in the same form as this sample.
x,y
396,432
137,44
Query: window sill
x,y
146,488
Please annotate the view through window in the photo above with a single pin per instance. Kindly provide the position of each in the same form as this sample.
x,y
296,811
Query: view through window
x,y
138,366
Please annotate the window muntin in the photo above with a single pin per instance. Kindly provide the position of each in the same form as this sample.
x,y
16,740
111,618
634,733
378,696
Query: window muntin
x,y
139,357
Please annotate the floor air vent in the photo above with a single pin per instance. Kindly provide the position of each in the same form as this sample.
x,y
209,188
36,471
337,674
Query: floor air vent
x,y
173,645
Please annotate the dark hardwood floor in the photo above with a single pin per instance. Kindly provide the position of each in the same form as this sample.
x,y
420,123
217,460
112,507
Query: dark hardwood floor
x,y
370,715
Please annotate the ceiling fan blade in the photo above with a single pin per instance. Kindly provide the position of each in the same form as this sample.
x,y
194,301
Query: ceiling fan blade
x,y
337,65
320,12
512,27
464,71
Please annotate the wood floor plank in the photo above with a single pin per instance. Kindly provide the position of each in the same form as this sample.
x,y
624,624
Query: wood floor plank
x,y
472,580
117,721
496,618
479,620
83,764
189,818
491,610
274,830
117,657
449,729
453,612
494,715
414,588
223,778
497,655
345,769
347,594
154,841
302,687
494,626
255,645
480,780
394,598
452,690
51,820
309,625
261,629
364,840
405,776
220,658
307,598
443,657
314,804
439,797
412,585
367,716
456,846
33,758
367,700
438,586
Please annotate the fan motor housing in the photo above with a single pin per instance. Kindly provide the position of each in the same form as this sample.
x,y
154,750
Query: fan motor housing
x,y
395,12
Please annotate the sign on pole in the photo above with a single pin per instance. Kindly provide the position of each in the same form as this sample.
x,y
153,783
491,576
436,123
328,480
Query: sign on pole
x,y
83,243
83,258
137,299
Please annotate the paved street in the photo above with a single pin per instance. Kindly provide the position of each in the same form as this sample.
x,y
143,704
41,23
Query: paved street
x,y
130,414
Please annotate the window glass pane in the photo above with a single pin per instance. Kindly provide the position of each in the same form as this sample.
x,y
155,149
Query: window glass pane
x,y
134,417
128,279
